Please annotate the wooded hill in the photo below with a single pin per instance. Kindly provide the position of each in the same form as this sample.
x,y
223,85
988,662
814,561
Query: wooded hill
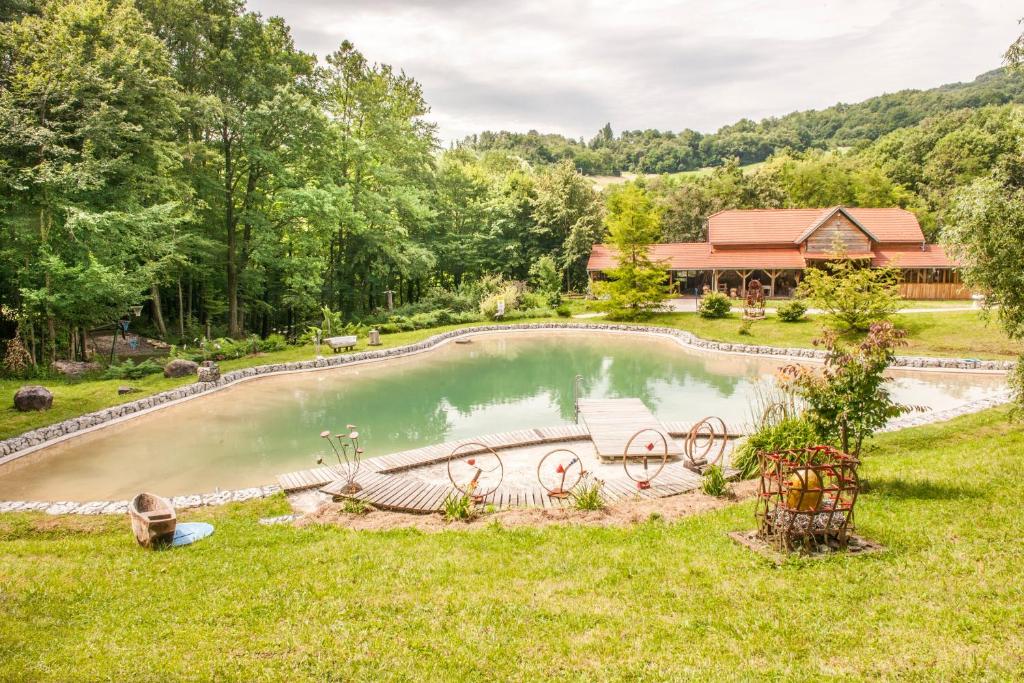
x,y
837,127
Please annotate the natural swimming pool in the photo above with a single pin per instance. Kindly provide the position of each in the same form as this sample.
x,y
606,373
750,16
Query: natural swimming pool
x,y
245,434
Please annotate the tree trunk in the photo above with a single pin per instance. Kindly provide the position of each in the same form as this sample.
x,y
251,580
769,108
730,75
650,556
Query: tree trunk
x,y
229,226
158,316
181,312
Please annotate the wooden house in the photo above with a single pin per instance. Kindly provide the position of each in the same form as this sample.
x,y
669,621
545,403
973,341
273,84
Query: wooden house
x,y
775,247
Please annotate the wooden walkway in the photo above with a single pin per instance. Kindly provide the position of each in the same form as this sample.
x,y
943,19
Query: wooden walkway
x,y
612,422
387,484
409,494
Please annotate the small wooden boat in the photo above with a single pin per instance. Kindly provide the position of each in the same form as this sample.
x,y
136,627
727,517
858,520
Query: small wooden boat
x,y
153,520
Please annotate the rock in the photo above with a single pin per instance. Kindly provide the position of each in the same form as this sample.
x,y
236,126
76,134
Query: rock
x,y
33,397
121,391
208,371
179,367
73,368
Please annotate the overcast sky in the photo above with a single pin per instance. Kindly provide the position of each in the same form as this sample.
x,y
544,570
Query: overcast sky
x,y
568,67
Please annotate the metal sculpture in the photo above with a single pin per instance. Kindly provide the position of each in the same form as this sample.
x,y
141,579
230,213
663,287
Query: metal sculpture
x,y
702,440
806,498
577,394
567,468
350,457
773,414
483,462
647,452
754,308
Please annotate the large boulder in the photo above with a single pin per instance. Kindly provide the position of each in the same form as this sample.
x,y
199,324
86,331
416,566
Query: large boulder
x,y
33,397
179,367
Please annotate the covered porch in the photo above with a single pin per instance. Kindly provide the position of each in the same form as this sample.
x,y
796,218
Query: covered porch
x,y
777,282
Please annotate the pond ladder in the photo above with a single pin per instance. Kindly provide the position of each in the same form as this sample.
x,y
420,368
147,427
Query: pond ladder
x,y
577,392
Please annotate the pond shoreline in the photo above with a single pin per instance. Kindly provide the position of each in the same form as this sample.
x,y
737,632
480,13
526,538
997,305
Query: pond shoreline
x,y
16,447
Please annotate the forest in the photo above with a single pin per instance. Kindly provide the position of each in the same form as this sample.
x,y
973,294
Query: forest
x,y
840,127
186,157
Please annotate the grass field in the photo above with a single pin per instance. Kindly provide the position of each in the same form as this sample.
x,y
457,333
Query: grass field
x,y
951,334
652,602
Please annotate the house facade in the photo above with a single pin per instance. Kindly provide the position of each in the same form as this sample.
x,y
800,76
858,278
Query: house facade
x,y
776,246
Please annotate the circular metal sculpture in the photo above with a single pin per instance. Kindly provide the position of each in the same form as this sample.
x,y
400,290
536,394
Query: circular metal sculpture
x,y
481,464
703,439
350,456
641,460
754,308
559,471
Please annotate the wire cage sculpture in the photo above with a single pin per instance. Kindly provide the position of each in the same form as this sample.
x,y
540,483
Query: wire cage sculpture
x,y
806,498
559,472
709,437
484,465
350,457
754,305
645,475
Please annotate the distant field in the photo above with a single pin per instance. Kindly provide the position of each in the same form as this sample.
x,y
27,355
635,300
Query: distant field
x,y
602,181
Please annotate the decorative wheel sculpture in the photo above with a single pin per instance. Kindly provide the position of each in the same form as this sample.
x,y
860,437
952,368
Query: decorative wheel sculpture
x,y
703,439
475,474
559,471
642,471
350,456
773,414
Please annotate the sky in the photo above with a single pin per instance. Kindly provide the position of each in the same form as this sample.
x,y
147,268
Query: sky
x,y
570,66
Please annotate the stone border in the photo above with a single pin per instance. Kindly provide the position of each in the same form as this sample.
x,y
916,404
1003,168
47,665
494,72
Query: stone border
x,y
25,443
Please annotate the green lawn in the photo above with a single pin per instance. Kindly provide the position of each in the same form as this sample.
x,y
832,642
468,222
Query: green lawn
x,y
78,600
951,334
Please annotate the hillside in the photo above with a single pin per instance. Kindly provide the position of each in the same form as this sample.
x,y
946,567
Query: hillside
x,y
841,125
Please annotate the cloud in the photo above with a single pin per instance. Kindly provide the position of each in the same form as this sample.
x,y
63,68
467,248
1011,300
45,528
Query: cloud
x,y
571,66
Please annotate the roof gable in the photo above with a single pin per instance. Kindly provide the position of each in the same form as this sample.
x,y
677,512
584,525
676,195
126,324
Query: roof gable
x,y
829,213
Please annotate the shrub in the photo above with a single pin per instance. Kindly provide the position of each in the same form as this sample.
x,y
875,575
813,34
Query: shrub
x,y
509,294
746,327
529,313
849,399
713,482
129,370
587,494
714,305
793,311
547,280
274,342
790,432
563,311
533,300
388,328
854,297
458,507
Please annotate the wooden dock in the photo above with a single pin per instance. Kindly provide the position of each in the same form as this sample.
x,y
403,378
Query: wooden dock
x,y
388,484
409,494
612,422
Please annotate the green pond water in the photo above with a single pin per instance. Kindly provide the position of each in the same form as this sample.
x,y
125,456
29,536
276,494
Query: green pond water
x,y
244,435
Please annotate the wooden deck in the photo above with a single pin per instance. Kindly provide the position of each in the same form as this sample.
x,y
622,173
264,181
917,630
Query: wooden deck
x,y
612,422
607,423
409,494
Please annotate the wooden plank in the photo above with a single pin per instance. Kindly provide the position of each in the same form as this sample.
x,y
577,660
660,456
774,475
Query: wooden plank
x,y
612,422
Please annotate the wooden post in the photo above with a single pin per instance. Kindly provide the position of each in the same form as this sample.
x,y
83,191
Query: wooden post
x,y
772,274
714,280
744,274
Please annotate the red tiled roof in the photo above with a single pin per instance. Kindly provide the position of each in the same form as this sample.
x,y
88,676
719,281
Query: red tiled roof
x,y
785,226
933,256
698,256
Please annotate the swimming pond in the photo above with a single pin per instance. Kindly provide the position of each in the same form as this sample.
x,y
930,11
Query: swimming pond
x,y
245,434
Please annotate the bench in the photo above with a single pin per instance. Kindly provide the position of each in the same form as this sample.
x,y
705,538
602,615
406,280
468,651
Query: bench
x,y
337,343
